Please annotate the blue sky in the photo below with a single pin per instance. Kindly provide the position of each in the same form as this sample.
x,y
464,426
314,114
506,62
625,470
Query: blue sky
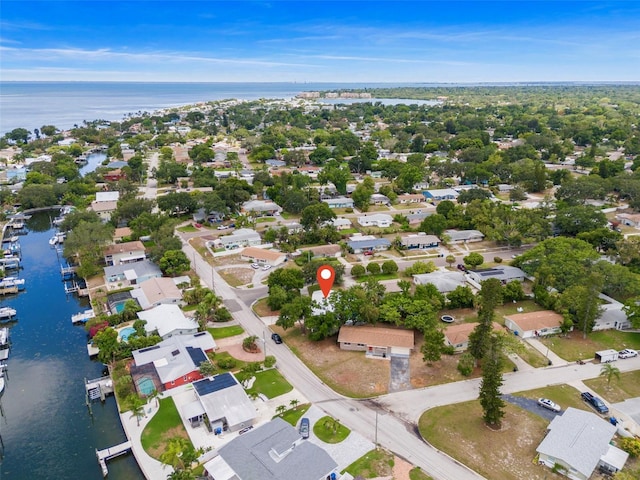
x,y
319,41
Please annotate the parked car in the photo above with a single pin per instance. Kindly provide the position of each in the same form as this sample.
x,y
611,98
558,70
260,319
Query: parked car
x,y
627,353
266,267
255,265
546,403
276,338
462,267
222,227
595,402
304,427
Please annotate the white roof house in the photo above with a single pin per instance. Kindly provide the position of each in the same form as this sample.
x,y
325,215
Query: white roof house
x,y
381,220
321,305
463,236
440,194
340,223
243,237
339,202
444,281
579,441
168,320
157,291
261,207
107,196
505,274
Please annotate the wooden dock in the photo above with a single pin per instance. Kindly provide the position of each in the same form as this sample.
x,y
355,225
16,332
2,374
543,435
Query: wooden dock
x,y
83,317
99,388
111,452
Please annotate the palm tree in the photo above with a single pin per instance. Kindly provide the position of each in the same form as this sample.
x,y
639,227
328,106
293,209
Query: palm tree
x,y
294,402
137,406
154,394
280,409
609,371
175,452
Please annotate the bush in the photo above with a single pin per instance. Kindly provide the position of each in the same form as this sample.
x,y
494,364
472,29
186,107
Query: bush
x,y
269,361
358,271
373,268
631,446
497,259
227,363
389,267
448,350
466,364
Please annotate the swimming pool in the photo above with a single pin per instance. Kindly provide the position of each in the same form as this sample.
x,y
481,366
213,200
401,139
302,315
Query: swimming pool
x,y
125,333
146,386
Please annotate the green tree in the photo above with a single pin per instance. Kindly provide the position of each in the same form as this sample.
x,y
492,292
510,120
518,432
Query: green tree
x,y
466,363
434,224
174,262
609,371
389,267
632,310
433,345
474,259
450,259
513,291
490,396
136,404
315,215
362,194
461,297
358,271
106,341
207,368
373,268
177,453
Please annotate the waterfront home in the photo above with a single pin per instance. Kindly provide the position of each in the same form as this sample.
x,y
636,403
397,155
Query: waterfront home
x,y
339,202
114,175
170,363
380,220
379,342
127,252
222,401
262,256
464,236
577,442
260,208
273,451
534,324
419,241
457,336
243,237
444,280
104,209
505,274
167,321
157,291
126,274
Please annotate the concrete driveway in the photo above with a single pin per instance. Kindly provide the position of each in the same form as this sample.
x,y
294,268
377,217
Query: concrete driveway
x,y
400,377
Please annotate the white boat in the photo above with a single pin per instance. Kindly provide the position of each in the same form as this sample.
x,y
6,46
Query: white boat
x,y
8,282
57,239
1,383
7,313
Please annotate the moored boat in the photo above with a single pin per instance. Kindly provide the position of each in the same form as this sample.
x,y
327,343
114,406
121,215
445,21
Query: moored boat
x,y
7,313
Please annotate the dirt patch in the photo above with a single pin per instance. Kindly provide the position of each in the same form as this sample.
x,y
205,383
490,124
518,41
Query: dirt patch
x,y
262,309
227,260
159,448
401,469
349,373
237,276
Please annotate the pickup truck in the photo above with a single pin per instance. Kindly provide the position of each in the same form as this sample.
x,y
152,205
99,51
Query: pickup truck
x,y
595,402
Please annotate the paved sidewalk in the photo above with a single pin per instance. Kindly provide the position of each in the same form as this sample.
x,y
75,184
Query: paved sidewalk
x,y
544,350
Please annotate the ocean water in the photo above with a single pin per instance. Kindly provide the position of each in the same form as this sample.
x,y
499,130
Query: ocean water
x,y
33,104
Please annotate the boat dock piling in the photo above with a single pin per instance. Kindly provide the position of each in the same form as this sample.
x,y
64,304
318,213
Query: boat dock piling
x,y
111,452
98,388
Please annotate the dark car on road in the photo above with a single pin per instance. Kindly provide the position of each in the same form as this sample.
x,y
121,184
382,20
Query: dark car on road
x,y
276,338
595,402
304,428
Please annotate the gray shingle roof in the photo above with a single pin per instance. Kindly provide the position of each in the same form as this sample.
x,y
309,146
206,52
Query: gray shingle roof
x,y
254,455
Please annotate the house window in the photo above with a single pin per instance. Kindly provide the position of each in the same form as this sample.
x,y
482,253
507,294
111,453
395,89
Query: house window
x,y
173,382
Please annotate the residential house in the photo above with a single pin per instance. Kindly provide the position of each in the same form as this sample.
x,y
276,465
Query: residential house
x,y
263,256
410,198
273,451
167,320
534,324
222,401
457,336
439,194
320,304
321,251
121,233
464,236
275,164
157,291
128,252
114,175
380,220
416,217
577,442
104,209
340,223
107,196
367,244
629,219
379,199
376,342
243,237
127,274
172,362
420,240
293,227
339,202
612,317
259,208
505,274
444,280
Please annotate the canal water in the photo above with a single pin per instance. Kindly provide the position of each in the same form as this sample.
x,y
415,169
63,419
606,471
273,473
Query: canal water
x,y
46,429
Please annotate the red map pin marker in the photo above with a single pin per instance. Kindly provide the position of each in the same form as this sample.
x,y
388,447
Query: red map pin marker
x,y
326,275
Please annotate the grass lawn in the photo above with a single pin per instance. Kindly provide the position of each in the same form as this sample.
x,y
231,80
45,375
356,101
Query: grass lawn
x,y
330,431
292,415
499,455
417,474
262,309
376,463
564,395
532,356
619,390
379,277
224,332
270,383
265,220
231,279
574,347
226,356
187,228
165,425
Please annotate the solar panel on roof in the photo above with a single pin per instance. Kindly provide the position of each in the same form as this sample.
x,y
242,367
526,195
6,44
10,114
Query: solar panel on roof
x,y
197,355
200,334
214,384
